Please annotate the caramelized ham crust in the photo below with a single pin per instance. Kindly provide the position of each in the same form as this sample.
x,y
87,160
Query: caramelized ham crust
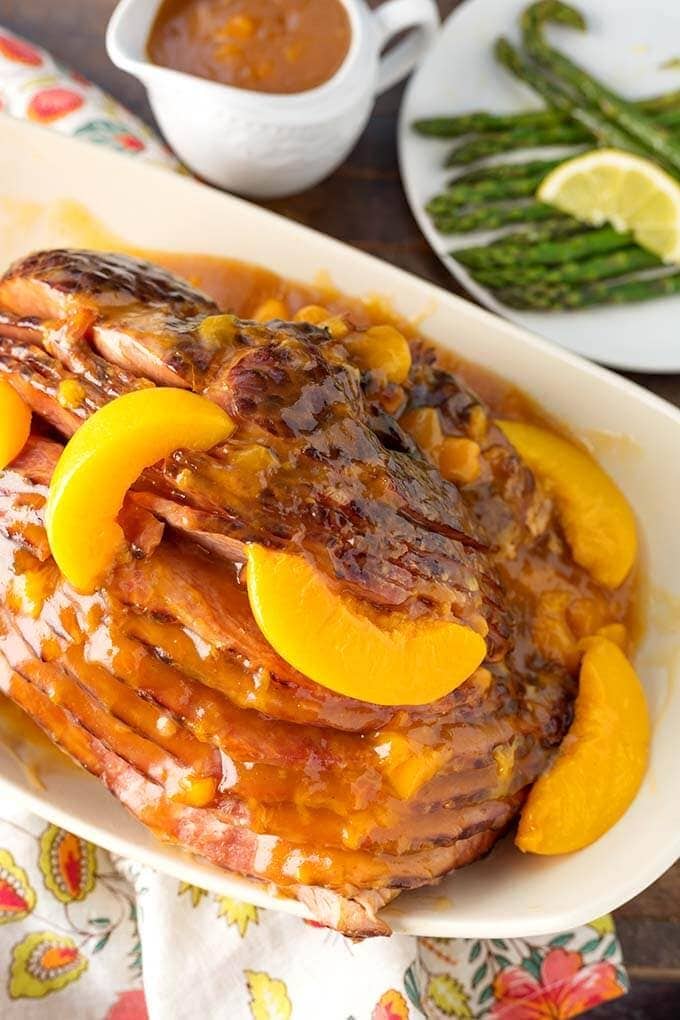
x,y
161,683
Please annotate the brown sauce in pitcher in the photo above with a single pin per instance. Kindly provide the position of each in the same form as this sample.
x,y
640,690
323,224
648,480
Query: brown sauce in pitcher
x,y
276,46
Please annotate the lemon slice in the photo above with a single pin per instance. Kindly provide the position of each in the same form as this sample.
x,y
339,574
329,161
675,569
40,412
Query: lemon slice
x,y
629,192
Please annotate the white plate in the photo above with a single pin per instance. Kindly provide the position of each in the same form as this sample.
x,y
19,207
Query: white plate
x,y
636,435
625,43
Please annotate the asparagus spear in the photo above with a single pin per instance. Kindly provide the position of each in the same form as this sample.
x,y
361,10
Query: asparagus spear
x,y
618,111
482,122
506,171
565,132
604,131
494,190
521,138
667,118
490,217
664,101
552,297
599,267
542,230
551,251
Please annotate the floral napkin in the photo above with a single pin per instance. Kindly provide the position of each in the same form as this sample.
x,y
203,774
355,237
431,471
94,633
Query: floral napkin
x,y
87,936
108,939
33,86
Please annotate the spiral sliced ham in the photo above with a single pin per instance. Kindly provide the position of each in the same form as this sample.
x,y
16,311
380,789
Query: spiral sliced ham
x,y
162,685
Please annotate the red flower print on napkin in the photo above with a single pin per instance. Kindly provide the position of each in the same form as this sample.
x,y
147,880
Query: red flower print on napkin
x,y
130,142
129,1005
564,989
19,51
49,105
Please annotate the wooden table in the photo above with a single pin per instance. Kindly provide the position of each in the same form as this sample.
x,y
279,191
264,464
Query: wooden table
x,y
364,205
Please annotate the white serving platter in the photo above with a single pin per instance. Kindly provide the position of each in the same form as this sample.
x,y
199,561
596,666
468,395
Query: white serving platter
x,y
47,185
625,45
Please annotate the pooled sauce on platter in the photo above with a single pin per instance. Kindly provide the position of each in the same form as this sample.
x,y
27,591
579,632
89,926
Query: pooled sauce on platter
x,y
277,46
28,747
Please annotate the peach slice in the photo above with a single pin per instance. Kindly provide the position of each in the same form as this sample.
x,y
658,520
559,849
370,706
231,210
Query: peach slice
x,y
15,423
597,520
332,639
102,460
601,763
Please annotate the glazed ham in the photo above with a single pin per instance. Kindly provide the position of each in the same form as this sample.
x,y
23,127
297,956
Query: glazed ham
x,y
161,682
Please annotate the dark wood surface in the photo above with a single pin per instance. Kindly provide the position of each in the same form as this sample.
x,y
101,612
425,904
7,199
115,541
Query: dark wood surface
x,y
363,204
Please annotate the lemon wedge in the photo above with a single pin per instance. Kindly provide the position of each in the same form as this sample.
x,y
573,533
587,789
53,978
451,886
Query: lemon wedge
x,y
630,192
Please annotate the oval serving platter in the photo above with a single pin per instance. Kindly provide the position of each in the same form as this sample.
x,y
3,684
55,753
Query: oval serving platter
x,y
56,191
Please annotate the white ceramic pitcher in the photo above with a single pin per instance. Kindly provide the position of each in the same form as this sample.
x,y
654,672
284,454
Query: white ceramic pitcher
x,y
265,145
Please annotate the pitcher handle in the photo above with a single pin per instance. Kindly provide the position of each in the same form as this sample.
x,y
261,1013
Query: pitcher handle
x,y
397,16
